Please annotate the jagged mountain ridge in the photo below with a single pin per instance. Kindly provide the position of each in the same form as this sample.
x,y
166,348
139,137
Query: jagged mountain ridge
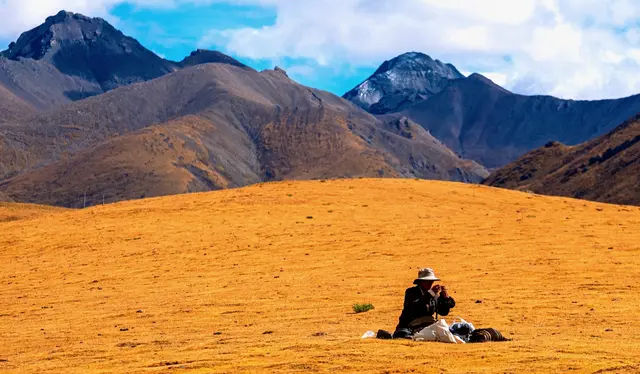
x,y
482,121
402,82
71,57
203,56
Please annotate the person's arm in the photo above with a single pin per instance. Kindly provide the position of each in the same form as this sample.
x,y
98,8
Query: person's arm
x,y
445,303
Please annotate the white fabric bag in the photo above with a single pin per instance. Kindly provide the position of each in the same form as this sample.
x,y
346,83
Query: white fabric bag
x,y
438,332
427,334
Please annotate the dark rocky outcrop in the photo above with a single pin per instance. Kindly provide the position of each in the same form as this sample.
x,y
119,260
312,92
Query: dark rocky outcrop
x,y
203,56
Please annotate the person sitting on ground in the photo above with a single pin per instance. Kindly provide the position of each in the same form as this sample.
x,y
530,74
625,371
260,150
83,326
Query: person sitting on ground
x,y
421,303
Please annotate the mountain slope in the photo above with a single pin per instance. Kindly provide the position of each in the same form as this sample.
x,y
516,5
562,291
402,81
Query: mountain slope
x,y
401,82
604,169
482,121
11,107
186,155
221,126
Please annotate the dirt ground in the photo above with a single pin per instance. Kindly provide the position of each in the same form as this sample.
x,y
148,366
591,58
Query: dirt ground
x,y
263,279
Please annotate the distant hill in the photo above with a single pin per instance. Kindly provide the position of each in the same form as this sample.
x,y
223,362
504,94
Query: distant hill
x,y
486,123
71,57
208,127
605,169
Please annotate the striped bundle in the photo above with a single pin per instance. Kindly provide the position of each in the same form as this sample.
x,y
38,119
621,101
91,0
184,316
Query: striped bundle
x,y
486,335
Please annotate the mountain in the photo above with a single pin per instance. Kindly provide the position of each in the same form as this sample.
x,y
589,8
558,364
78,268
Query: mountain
x,y
71,57
478,119
484,122
605,169
401,82
208,127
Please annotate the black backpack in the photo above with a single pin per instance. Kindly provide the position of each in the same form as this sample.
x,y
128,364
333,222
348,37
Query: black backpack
x,y
486,335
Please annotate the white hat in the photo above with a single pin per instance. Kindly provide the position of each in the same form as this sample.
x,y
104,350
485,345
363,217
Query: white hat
x,y
426,274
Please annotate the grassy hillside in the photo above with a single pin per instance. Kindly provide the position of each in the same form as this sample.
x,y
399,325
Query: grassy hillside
x,y
605,169
263,279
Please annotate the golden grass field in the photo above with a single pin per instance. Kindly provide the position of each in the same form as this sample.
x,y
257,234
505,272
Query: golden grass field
x,y
243,280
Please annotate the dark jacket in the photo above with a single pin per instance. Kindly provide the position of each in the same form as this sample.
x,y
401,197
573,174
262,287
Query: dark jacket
x,y
419,304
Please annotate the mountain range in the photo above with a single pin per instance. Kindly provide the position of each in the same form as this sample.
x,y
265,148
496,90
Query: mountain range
x,y
87,114
206,123
480,120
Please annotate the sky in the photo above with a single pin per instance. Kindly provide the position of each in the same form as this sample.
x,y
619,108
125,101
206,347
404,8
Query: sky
x,y
574,49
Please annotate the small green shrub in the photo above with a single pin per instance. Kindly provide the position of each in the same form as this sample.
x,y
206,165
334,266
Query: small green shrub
x,y
361,308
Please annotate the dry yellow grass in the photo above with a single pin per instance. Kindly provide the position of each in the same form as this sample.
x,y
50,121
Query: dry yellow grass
x,y
144,286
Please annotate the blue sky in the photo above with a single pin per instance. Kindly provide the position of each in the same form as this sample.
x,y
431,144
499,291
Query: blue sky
x,y
174,32
582,49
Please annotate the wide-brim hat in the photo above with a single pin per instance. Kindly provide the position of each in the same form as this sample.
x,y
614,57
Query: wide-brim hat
x,y
426,274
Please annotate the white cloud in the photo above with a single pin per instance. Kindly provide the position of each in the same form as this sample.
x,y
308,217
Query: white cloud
x,y
569,48
635,55
561,41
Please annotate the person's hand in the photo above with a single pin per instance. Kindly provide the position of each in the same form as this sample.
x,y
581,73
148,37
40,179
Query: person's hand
x,y
444,292
436,289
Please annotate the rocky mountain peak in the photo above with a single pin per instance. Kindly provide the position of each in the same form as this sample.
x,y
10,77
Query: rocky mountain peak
x,y
90,50
401,82
278,69
416,61
205,56
57,31
64,15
